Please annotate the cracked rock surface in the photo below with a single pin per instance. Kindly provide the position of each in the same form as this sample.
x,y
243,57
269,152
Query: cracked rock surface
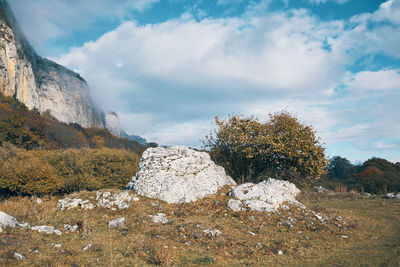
x,y
178,175
265,196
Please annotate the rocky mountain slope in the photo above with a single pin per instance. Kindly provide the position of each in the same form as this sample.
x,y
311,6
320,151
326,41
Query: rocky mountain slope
x,y
40,83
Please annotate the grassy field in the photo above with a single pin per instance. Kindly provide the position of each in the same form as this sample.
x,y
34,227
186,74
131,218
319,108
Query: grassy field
x,y
354,231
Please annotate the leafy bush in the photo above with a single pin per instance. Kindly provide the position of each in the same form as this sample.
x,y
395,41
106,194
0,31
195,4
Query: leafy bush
x,y
29,175
56,171
281,148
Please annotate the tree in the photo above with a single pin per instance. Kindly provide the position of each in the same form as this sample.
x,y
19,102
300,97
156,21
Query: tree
x,y
339,167
281,148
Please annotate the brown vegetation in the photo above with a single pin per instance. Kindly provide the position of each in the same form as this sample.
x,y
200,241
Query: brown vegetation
x,y
42,172
367,234
280,148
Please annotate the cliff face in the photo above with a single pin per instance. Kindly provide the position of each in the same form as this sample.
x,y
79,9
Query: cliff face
x,y
40,83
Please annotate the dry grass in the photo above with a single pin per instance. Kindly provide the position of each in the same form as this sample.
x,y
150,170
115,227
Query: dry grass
x,y
248,238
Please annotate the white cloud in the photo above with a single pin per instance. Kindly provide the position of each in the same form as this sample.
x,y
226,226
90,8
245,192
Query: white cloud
x,y
383,145
168,80
44,20
374,80
318,2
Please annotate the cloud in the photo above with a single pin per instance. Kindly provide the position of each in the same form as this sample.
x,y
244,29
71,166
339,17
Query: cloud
x,y
383,145
168,80
319,2
44,20
374,80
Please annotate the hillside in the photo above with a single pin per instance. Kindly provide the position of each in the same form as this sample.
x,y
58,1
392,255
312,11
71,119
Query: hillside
x,y
30,130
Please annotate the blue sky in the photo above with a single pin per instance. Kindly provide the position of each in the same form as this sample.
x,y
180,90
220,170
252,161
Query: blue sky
x,y
168,67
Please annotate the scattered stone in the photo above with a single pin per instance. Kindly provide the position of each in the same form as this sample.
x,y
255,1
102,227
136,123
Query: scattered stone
x,y
35,250
39,201
288,224
280,252
19,256
119,222
88,246
253,234
9,221
71,228
46,229
235,205
393,195
178,175
318,216
135,199
110,200
344,236
58,245
259,245
212,233
154,204
159,218
70,203
321,189
265,196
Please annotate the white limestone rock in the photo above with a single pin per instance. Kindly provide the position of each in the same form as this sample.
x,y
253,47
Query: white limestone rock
x,y
235,205
110,200
265,196
70,203
9,221
46,229
119,222
159,218
178,175
393,195
212,233
19,256
71,228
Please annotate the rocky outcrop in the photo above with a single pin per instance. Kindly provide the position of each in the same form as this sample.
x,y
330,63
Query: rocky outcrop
x,y
40,83
112,123
178,175
265,196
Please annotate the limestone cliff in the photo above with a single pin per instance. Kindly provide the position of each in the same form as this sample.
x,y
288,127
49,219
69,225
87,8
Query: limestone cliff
x,y
40,83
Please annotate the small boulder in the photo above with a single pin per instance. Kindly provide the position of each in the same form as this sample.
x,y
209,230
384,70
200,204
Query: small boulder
x,y
265,196
46,229
178,175
212,233
159,218
18,256
111,200
119,222
9,221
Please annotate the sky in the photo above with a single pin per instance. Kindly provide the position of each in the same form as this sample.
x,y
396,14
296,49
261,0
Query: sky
x,y
168,67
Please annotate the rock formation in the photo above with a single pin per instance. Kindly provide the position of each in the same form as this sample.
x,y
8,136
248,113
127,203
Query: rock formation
x,y
40,83
265,196
178,175
112,123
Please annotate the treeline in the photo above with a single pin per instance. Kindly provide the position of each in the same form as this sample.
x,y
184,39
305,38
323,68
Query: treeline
x,y
376,175
29,130
40,172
